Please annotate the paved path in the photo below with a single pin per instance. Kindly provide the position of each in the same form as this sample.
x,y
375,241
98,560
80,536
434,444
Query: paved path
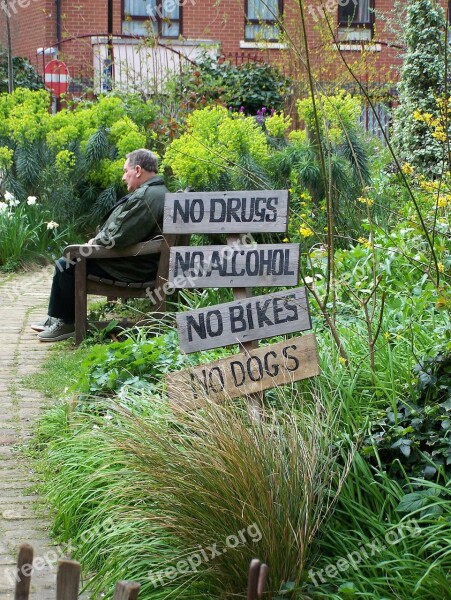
x,y
23,299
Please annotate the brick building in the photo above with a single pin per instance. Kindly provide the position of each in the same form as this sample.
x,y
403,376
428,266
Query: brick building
x,y
135,41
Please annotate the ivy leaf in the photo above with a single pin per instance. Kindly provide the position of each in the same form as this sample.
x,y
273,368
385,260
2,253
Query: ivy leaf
x,y
404,446
416,500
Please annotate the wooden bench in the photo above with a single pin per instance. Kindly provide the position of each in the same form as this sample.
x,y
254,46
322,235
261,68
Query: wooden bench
x,y
86,284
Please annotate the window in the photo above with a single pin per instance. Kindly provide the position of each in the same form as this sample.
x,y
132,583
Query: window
x,y
261,19
355,19
161,16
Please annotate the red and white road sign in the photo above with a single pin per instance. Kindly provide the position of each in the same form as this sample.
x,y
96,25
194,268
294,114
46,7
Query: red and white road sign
x,y
56,77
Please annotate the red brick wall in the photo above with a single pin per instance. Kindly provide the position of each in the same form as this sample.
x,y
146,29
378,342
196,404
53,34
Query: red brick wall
x,y
34,25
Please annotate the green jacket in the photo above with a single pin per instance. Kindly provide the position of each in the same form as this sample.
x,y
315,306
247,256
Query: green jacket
x,y
135,218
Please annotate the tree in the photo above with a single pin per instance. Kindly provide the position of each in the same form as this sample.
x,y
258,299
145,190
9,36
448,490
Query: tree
x,y
422,84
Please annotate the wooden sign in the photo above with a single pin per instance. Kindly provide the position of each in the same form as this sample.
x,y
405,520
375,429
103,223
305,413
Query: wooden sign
x,y
226,212
245,374
244,320
234,266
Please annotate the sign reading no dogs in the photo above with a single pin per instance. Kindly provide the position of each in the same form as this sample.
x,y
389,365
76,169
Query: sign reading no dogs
x,y
226,212
244,374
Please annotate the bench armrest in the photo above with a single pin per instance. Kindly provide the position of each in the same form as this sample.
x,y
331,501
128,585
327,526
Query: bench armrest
x,y
92,251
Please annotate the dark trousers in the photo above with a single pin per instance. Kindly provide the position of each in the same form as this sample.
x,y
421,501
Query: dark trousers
x,y
62,294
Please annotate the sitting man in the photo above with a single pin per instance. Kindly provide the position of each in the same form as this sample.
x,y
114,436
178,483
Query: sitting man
x,y
135,218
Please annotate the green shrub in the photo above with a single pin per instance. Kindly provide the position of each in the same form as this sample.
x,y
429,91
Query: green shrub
x,y
249,87
72,161
415,439
422,82
24,74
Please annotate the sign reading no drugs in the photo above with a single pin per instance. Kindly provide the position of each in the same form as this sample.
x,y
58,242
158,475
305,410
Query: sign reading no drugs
x,y
226,212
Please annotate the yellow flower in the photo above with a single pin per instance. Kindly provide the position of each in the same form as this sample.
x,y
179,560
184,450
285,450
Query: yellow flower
x,y
407,169
303,215
441,303
427,185
364,242
439,134
285,240
305,231
342,360
441,267
417,115
443,201
386,335
366,201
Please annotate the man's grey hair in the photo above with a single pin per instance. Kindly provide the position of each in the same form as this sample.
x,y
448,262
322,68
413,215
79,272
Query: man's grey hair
x,y
143,158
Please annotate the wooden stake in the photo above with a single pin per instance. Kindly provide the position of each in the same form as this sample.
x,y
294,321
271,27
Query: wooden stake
x,y
24,570
67,580
126,590
255,401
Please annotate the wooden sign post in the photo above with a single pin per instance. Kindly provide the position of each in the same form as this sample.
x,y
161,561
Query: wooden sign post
x,y
248,318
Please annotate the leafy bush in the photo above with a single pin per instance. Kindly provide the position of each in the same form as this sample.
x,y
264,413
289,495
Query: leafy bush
x,y
422,82
248,87
415,441
72,161
220,150
24,74
25,234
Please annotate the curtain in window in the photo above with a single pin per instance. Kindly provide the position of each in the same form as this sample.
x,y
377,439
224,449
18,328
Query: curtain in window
x,y
170,26
263,10
354,12
139,8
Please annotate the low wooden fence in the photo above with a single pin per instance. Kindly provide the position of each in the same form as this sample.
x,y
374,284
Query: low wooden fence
x,y
68,579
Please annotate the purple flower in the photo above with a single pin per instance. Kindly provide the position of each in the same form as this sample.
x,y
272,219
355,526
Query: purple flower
x,y
241,109
264,109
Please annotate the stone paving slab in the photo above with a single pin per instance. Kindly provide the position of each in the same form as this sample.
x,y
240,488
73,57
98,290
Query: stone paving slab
x,y
23,299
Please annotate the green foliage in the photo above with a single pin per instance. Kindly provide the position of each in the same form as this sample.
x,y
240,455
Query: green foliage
x,y
415,440
208,155
422,82
248,87
382,542
139,362
191,467
25,235
72,161
24,74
